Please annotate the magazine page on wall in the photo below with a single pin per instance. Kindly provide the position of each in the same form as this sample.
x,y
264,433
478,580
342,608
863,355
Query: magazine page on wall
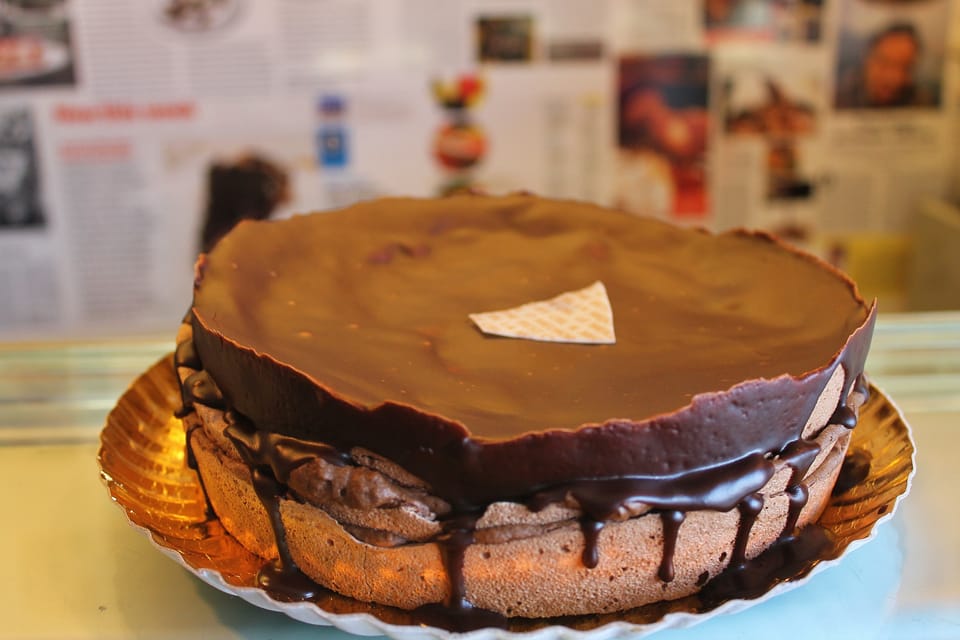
x,y
889,137
770,151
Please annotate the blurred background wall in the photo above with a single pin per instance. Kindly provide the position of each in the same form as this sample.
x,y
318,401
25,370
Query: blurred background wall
x,y
132,134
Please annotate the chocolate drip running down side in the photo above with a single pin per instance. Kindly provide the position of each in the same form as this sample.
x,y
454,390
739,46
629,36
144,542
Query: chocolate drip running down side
x,y
671,521
458,613
844,414
458,534
591,529
272,458
281,576
749,509
798,455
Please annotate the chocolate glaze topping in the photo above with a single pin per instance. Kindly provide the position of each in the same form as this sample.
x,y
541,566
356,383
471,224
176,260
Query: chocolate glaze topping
x,y
380,353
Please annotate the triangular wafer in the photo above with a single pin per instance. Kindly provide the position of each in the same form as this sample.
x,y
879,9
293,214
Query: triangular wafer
x,y
583,317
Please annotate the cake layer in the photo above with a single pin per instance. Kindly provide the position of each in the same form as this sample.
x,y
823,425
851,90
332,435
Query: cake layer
x,y
537,572
351,328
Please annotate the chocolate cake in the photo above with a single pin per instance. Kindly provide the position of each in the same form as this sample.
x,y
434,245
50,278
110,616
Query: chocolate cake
x,y
350,423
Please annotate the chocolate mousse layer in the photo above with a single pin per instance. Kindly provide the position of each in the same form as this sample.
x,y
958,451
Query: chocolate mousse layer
x,y
351,328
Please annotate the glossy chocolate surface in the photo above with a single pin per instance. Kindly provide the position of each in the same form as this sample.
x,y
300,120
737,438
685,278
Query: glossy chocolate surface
x,y
351,328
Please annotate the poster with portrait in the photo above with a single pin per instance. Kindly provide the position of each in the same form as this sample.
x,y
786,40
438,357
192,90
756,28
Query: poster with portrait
x,y
662,135
890,54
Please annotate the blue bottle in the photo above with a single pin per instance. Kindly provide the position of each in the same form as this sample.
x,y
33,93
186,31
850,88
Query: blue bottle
x,y
331,137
